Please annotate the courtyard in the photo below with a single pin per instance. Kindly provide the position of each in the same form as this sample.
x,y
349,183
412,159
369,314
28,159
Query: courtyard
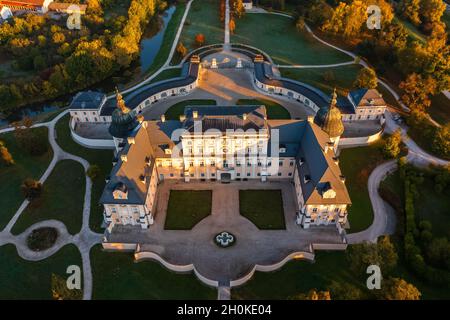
x,y
253,245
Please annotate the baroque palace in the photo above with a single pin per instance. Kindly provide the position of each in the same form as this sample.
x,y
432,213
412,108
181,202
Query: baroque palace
x,y
226,143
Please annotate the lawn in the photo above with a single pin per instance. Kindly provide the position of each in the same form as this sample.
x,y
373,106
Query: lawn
x,y
278,37
186,208
434,207
356,165
25,280
167,74
267,214
174,112
440,108
26,166
61,199
102,158
414,33
116,276
274,110
203,18
299,277
344,77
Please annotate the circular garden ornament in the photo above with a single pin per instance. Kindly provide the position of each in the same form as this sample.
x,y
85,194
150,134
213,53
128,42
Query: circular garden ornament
x,y
224,239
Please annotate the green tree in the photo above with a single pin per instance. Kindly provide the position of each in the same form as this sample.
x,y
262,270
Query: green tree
x,y
93,172
367,78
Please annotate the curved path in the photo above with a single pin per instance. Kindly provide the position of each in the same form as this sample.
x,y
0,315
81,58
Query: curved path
x,y
84,240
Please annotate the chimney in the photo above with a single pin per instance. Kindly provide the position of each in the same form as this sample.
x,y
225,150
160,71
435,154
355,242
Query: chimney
x,y
342,178
310,119
163,118
195,114
142,178
124,158
336,160
131,140
244,116
182,117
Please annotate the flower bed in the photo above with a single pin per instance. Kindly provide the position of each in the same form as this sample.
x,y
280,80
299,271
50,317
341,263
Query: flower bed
x,y
224,239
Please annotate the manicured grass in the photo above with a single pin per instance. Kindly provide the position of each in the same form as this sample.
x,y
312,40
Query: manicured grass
x,y
26,280
278,37
26,166
102,158
203,18
356,165
440,108
422,134
167,74
299,277
174,112
274,110
116,276
344,77
62,199
433,207
186,208
263,207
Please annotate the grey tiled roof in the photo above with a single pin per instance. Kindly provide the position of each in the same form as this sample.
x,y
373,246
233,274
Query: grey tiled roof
x,y
87,100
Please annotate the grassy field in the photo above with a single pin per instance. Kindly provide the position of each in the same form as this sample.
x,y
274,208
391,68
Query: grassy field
x,y
186,208
203,18
102,158
299,277
25,280
167,74
356,165
116,276
274,110
267,214
61,199
26,166
277,36
440,108
174,112
344,77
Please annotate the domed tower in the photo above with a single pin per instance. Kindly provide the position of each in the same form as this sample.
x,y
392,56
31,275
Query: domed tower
x,y
332,121
123,121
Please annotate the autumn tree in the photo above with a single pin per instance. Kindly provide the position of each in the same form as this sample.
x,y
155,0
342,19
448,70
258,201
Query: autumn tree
x,y
441,141
398,289
181,49
343,290
410,9
31,189
93,171
432,10
313,295
367,78
417,91
199,39
5,156
391,148
232,26
237,8
60,291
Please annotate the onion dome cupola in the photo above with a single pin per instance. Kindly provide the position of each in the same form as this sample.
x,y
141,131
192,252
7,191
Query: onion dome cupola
x,y
123,121
332,121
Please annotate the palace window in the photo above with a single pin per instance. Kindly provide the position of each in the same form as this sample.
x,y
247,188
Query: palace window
x,y
280,163
291,163
314,210
248,174
279,174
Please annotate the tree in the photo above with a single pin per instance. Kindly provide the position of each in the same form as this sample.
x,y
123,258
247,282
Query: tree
x,y
6,157
399,289
60,291
417,91
237,8
345,291
313,295
410,9
391,148
439,253
35,143
365,254
93,172
367,78
232,26
199,39
432,10
300,24
181,49
441,141
31,189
